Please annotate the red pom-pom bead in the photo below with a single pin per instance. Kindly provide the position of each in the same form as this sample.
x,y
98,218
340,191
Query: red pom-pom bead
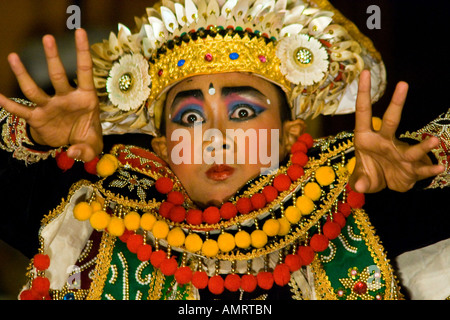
x,y
29,295
41,261
248,282
282,182
307,139
175,197
91,166
299,158
299,146
295,172
177,214
164,209
270,193
194,217
211,215
244,205
344,208
144,252
216,284
319,242
157,258
293,261
200,279
134,242
306,253
63,161
228,211
265,280
169,266
164,185
281,274
41,285
355,199
232,282
183,275
126,234
339,218
258,201
331,229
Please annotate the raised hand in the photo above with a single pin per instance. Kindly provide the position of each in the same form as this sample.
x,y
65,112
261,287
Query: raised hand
x,y
381,159
71,116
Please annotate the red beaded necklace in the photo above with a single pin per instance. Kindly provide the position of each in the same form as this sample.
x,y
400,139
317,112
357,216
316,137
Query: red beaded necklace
x,y
173,210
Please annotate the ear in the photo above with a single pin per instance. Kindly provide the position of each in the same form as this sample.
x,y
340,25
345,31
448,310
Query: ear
x,y
291,131
160,148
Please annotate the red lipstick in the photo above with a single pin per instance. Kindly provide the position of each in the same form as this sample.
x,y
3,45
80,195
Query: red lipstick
x,y
219,172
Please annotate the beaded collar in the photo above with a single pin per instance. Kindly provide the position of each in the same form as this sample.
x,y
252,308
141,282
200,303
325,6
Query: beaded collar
x,y
271,228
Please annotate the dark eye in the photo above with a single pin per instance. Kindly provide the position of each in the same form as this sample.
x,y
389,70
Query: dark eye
x,y
243,113
191,118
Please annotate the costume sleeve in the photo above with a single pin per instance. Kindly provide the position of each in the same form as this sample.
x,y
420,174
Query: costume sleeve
x,y
16,138
440,128
31,184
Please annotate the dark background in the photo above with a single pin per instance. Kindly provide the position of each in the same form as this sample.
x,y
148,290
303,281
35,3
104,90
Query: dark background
x,y
413,42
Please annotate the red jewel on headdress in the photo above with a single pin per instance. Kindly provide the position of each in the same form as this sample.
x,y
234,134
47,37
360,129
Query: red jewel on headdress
x,y
208,57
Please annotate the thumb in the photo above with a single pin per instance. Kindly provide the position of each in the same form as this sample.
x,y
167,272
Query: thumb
x,y
84,152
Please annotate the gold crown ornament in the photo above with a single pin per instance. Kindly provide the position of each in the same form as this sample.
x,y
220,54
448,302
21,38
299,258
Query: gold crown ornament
x,y
307,48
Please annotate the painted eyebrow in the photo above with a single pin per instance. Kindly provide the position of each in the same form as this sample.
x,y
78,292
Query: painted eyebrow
x,y
186,94
246,90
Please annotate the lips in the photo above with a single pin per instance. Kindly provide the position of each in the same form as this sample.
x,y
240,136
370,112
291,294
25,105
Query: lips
x,y
219,172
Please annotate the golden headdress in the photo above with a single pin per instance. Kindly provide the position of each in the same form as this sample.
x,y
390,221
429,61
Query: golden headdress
x,y
306,47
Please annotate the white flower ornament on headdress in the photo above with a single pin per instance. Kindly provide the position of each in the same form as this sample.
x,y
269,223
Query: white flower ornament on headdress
x,y
303,59
128,84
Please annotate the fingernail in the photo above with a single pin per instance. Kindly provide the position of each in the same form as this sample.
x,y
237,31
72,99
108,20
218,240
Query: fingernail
x,y
74,154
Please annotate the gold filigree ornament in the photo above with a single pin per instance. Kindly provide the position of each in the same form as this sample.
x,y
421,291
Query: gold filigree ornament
x,y
306,47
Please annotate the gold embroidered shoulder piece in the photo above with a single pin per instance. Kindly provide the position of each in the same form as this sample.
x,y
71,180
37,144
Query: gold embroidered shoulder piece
x,y
15,138
439,128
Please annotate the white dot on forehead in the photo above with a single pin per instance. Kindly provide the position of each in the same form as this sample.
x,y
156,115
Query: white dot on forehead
x,y
268,101
211,90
